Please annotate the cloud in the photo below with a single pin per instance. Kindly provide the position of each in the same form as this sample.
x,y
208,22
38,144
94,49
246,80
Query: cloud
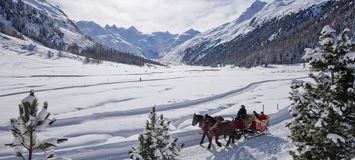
x,y
148,16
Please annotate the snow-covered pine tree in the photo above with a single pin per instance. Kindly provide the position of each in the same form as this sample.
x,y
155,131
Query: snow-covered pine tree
x,y
324,110
26,127
155,143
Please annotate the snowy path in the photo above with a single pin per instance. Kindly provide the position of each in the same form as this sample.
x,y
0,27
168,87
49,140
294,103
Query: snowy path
x,y
269,146
192,138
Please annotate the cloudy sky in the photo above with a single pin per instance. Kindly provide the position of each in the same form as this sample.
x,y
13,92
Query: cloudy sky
x,y
148,16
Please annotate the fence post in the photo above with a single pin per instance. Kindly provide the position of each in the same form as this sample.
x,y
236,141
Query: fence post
x,y
277,107
263,107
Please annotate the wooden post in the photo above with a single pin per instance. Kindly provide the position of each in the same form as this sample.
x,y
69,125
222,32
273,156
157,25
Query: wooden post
x,y
277,107
263,107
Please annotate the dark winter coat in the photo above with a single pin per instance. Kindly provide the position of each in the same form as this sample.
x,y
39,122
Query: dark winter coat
x,y
242,112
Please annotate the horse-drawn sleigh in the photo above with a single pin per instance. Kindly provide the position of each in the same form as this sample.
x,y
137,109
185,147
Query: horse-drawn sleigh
x,y
247,127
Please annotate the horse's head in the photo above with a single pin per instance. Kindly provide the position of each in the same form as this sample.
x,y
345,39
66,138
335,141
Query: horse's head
x,y
196,119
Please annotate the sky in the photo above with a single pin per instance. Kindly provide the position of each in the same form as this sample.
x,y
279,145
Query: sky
x,y
175,16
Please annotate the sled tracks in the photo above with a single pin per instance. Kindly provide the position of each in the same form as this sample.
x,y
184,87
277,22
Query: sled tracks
x,y
159,108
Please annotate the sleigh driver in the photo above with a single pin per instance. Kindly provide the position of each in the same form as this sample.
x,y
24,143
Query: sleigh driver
x,y
242,113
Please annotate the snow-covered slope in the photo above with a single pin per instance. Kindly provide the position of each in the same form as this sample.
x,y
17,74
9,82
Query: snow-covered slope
x,y
180,39
255,16
107,38
43,22
32,50
131,40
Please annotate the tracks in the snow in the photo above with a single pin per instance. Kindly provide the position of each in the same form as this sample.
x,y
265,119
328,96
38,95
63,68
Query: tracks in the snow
x,y
118,150
89,85
159,108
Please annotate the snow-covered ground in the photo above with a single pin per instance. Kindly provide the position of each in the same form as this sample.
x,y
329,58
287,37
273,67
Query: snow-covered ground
x,y
102,108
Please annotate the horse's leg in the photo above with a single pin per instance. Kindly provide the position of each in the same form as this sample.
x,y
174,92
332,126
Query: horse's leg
x,y
233,139
203,138
210,141
218,144
229,140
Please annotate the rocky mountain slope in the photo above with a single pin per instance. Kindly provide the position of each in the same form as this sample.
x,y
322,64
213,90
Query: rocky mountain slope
x,y
131,40
40,21
277,32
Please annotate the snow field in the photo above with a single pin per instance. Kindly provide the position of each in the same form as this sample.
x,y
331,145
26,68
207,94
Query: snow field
x,y
102,108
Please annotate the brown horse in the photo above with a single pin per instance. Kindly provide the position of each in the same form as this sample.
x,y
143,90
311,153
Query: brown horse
x,y
204,124
221,128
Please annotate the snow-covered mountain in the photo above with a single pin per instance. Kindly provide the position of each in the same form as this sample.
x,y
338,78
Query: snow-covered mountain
x,y
132,40
42,22
265,33
212,37
105,37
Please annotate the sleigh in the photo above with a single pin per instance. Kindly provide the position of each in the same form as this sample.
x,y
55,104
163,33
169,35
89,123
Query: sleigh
x,y
250,126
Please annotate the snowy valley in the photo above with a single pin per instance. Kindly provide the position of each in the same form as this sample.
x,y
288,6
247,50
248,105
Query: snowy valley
x,y
102,108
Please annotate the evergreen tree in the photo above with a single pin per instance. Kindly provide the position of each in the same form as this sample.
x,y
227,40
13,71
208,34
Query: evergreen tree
x,y
155,143
324,110
26,127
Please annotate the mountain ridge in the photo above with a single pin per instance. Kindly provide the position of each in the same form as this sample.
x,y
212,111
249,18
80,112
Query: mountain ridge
x,y
131,40
213,36
234,43
46,24
282,40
